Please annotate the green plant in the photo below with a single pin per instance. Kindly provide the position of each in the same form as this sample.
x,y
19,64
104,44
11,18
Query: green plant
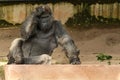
x,y
2,76
102,57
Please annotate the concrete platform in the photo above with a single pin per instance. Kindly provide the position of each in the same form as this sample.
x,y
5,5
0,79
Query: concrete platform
x,y
62,72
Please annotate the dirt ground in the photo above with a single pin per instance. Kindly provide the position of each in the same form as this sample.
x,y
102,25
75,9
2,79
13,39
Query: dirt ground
x,y
91,42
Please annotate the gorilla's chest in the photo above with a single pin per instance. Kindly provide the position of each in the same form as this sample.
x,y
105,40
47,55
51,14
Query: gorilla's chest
x,y
44,38
42,43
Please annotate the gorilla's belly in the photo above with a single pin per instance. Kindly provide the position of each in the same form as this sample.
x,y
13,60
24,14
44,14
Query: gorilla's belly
x,y
38,46
41,46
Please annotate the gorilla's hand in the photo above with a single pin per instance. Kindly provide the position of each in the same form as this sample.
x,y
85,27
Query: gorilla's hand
x,y
39,11
75,61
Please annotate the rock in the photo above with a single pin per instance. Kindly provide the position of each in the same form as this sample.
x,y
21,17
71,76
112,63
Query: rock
x,y
62,72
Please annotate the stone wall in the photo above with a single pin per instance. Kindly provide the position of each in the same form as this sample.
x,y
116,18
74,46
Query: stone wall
x,y
16,13
62,72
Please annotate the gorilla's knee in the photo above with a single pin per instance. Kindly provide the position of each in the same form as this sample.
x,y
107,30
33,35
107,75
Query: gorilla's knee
x,y
16,43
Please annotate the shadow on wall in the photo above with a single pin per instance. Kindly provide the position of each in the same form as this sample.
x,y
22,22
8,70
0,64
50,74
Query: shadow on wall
x,y
69,13
4,23
84,18
16,13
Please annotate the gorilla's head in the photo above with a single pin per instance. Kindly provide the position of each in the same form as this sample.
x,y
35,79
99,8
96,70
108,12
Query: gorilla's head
x,y
45,17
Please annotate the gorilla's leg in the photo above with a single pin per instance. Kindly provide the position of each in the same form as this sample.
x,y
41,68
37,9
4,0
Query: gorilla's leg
x,y
15,53
42,59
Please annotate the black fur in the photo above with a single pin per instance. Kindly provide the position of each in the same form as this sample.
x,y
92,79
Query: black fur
x,y
42,34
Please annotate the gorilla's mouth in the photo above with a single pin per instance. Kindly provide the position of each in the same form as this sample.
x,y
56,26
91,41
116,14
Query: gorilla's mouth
x,y
44,16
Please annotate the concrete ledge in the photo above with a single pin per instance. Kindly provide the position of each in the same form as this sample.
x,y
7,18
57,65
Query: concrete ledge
x,y
62,72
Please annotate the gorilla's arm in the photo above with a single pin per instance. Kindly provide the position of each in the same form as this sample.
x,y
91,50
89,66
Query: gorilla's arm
x,y
29,25
67,43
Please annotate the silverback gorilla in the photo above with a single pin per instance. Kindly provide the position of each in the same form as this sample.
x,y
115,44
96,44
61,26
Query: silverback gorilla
x,y
40,35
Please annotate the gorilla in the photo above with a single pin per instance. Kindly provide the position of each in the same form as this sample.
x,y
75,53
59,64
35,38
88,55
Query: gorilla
x,y
40,35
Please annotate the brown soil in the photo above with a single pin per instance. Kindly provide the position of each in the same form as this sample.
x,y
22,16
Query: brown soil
x,y
91,42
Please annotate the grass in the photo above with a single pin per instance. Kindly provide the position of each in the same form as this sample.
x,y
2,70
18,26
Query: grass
x,y
103,57
4,60
2,76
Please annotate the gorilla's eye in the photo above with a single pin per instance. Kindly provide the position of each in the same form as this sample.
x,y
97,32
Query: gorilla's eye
x,y
45,15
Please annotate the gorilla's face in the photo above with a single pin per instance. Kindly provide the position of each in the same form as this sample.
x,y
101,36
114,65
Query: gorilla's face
x,y
45,18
